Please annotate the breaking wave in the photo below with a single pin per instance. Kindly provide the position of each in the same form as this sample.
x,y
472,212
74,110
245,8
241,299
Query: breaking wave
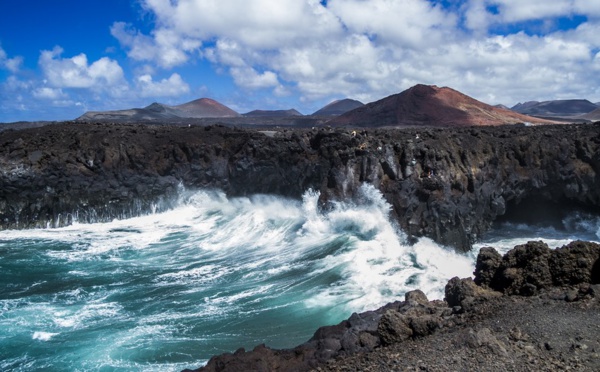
x,y
167,290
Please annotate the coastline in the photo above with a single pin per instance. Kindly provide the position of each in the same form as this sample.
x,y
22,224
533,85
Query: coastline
x,y
447,184
533,308
436,187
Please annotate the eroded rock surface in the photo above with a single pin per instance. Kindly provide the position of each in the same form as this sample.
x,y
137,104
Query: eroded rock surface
x,y
447,184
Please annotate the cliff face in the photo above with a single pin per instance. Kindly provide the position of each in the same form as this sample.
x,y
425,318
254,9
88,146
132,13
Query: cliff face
x,y
447,184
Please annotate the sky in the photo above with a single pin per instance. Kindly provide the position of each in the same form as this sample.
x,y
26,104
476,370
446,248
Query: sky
x,y
61,58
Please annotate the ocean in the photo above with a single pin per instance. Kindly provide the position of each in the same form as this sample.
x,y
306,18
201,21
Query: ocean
x,y
165,291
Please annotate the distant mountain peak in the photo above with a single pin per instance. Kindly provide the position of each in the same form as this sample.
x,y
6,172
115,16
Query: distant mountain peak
x,y
564,108
338,107
430,105
205,107
199,108
273,113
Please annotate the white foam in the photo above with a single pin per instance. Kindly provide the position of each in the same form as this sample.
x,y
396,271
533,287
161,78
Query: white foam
x,y
43,336
87,315
377,266
196,277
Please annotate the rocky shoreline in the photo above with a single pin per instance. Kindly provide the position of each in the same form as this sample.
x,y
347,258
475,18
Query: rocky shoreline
x,y
532,309
448,184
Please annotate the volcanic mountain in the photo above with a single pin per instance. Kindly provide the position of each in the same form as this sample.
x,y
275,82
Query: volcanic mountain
x,y
205,108
429,105
593,116
338,107
273,113
200,108
566,108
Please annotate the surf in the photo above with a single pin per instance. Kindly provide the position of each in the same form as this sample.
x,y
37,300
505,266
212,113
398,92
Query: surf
x,y
167,290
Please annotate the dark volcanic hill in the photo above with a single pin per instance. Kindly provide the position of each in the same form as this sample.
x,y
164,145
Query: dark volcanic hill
x,y
338,107
200,108
593,116
558,108
272,113
205,108
429,105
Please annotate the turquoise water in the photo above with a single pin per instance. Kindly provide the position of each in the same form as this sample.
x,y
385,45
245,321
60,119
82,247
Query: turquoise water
x,y
167,291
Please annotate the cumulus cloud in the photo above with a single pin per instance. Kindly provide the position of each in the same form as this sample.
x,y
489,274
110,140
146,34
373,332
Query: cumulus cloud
x,y
248,77
48,93
166,46
367,49
75,72
514,11
11,64
173,86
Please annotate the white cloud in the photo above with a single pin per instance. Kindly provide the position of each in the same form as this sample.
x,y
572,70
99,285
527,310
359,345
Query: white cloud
x,y
248,77
498,12
523,10
11,64
167,47
75,72
257,23
403,23
589,7
477,16
173,86
48,93
368,49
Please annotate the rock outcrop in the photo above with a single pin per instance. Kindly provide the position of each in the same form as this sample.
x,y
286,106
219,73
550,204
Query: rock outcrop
x,y
532,267
447,184
569,274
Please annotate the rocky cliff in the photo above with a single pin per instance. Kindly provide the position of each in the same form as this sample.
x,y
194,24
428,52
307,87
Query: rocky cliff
x,y
447,184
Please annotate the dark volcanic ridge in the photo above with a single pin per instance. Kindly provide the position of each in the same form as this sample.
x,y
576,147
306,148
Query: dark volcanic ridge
x,y
338,107
568,108
272,113
424,105
592,116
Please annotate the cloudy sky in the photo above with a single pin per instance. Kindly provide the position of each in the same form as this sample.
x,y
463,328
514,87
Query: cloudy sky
x,y
61,58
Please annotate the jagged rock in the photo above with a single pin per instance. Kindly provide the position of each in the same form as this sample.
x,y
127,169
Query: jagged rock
x,y
488,261
533,266
577,262
394,327
415,298
485,338
464,294
524,270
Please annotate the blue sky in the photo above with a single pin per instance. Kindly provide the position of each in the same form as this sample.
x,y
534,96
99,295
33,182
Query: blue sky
x,y
61,58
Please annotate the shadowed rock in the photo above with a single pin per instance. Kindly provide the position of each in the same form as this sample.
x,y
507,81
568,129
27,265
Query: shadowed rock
x,y
531,267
